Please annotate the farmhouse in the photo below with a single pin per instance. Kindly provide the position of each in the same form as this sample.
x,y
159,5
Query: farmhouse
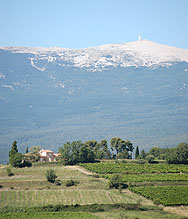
x,y
48,155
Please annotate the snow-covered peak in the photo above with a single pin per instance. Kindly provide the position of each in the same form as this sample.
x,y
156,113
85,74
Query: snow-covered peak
x,y
137,53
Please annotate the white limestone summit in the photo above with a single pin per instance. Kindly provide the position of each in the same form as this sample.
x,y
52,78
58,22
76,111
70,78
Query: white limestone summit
x,y
137,53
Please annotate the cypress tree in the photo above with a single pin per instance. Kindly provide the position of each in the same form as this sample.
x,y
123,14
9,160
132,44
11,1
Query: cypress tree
x,y
14,149
137,152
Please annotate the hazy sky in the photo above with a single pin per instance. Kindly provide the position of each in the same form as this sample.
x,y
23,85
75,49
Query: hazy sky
x,y
86,23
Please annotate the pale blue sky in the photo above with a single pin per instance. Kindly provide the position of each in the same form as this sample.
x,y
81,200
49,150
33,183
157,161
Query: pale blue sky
x,y
86,23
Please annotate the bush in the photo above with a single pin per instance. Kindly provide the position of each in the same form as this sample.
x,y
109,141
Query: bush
x,y
71,183
117,182
50,175
26,163
58,182
95,176
141,161
9,172
150,158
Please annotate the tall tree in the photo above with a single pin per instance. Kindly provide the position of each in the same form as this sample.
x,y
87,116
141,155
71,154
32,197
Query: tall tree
x,y
76,152
34,154
99,153
86,154
178,155
118,145
155,151
75,148
123,155
16,160
35,149
143,154
14,149
66,154
91,143
182,153
104,146
137,153
129,148
171,155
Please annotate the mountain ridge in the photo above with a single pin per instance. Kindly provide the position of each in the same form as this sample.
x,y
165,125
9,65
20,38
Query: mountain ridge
x,y
137,53
50,98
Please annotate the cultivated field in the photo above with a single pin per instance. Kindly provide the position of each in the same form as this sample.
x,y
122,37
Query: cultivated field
x,y
165,184
166,195
49,215
28,189
25,198
134,168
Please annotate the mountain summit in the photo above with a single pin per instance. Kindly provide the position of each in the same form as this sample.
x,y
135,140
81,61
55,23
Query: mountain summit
x,y
137,53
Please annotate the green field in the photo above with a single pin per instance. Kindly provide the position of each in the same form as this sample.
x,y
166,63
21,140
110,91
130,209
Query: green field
x,y
170,177
171,181
49,215
133,168
166,195
28,189
24,198
114,214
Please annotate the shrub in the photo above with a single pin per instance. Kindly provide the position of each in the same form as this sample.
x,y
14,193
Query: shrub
x,y
9,172
150,158
95,176
117,182
123,161
141,161
26,163
58,182
50,175
71,182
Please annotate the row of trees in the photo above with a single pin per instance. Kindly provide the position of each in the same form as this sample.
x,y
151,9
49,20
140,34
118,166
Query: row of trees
x,y
175,155
78,152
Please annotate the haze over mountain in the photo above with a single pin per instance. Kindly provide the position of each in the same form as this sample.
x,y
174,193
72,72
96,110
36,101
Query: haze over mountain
x,y
136,90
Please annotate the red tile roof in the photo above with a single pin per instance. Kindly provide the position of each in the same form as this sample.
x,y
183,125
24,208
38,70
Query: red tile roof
x,y
46,151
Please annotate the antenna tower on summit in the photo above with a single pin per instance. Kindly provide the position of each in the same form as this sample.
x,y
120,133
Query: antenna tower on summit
x,y
139,37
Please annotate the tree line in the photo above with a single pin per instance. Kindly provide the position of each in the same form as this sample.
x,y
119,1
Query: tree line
x,y
78,152
174,155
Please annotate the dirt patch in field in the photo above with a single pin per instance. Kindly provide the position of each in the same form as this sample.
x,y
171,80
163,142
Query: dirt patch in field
x,y
81,169
179,210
